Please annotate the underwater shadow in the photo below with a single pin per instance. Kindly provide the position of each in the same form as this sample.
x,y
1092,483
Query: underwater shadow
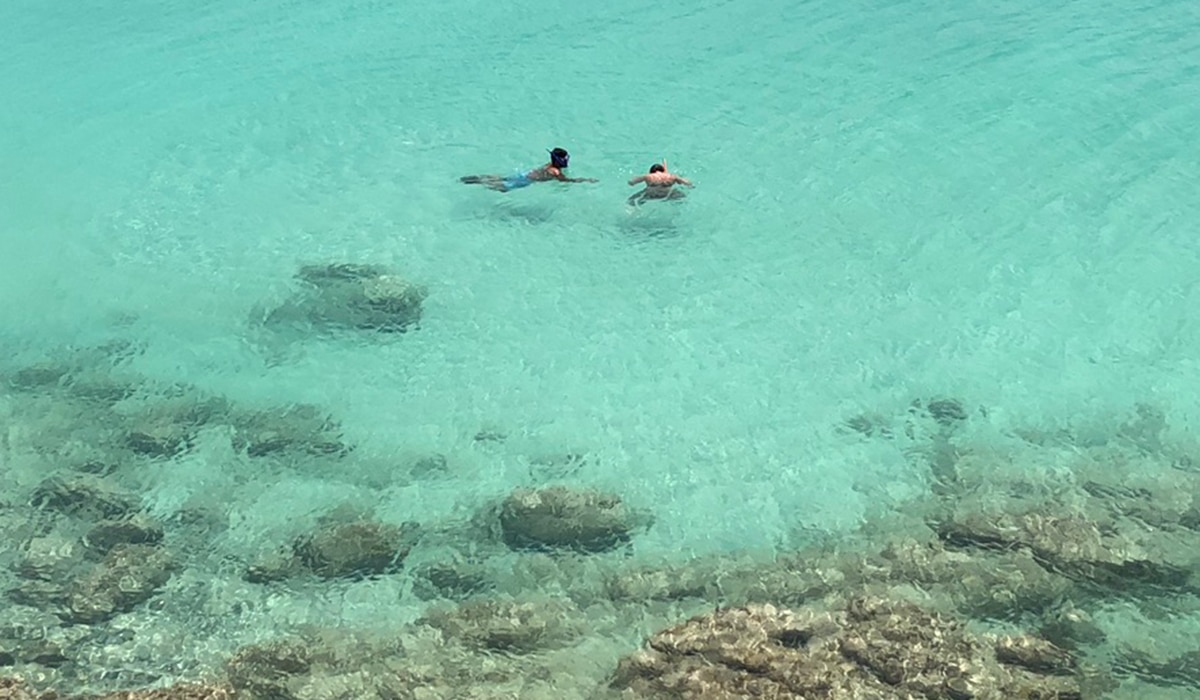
x,y
525,213
648,222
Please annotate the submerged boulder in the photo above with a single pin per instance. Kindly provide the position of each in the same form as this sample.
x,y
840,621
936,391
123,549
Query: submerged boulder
x,y
170,418
1181,672
30,637
48,558
509,626
107,535
1106,552
159,438
83,496
271,670
354,297
454,578
129,575
564,518
299,428
987,583
339,547
354,550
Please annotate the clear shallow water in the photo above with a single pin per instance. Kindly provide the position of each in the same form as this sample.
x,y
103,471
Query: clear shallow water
x,y
894,200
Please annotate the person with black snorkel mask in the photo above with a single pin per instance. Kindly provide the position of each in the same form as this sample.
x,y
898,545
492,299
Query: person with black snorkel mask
x,y
559,161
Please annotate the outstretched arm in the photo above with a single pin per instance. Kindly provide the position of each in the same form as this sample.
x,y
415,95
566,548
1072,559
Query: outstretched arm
x,y
562,177
683,181
636,180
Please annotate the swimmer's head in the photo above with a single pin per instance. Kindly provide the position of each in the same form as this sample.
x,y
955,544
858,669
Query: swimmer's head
x,y
559,158
658,168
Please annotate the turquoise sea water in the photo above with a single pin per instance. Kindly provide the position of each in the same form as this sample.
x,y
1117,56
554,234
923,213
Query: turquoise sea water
x,y
894,201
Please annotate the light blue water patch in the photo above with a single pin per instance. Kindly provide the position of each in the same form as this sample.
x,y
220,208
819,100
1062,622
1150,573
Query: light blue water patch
x,y
893,201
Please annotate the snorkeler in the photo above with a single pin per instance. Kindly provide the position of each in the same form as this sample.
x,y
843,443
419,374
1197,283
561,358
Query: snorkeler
x,y
660,184
559,160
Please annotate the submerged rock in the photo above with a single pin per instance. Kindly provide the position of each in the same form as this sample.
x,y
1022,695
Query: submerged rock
x,y
175,692
871,648
563,518
1113,554
355,297
1181,671
946,411
33,637
159,438
271,670
48,558
1035,654
83,496
169,422
354,550
38,376
453,579
510,626
128,576
995,584
38,593
12,688
99,389
15,689
1069,627
780,579
869,424
339,272
300,428
346,543
107,535
429,467
671,583
271,567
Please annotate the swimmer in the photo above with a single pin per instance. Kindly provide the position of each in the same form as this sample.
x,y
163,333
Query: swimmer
x,y
660,184
559,160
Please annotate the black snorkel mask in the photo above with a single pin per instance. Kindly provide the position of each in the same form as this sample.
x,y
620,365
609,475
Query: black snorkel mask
x,y
559,158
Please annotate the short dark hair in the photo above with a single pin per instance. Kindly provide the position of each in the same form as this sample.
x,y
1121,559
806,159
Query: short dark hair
x,y
658,168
